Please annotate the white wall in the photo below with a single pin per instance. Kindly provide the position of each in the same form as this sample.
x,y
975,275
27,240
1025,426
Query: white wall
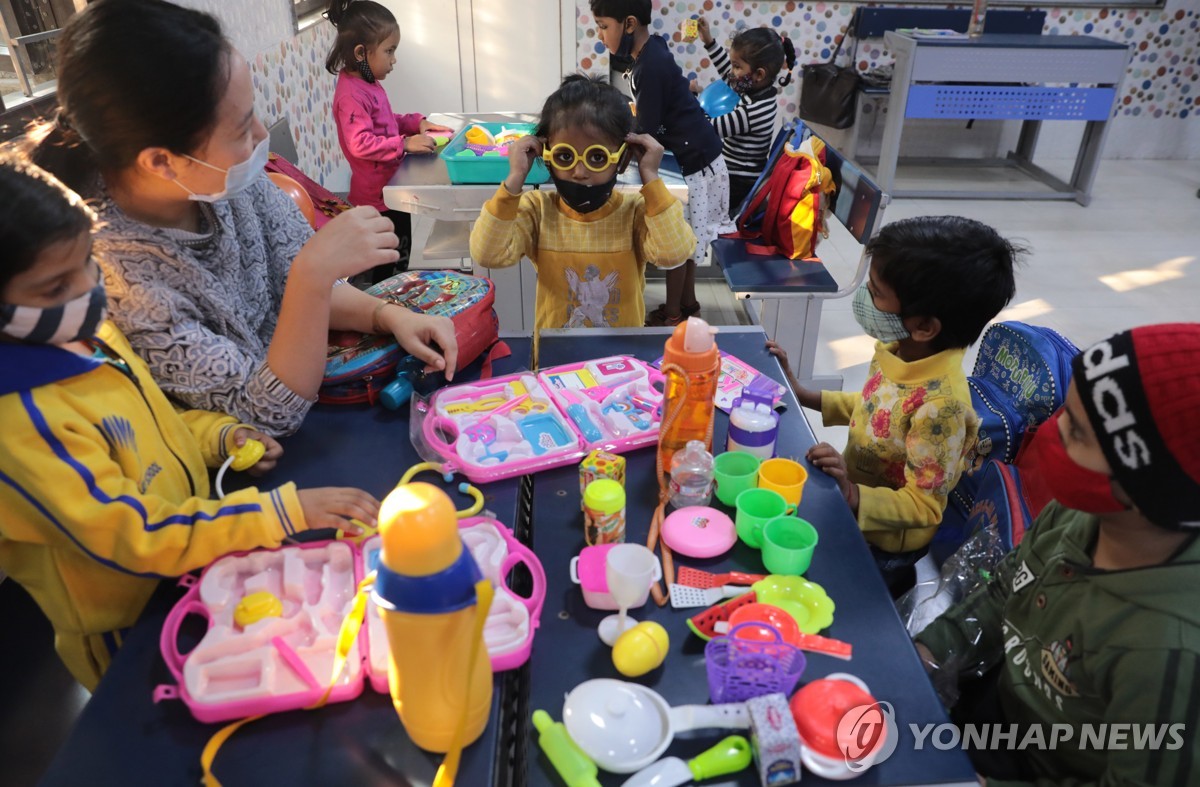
x,y
464,56
252,25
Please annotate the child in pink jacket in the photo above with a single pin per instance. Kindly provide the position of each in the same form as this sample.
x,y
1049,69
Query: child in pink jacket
x,y
373,138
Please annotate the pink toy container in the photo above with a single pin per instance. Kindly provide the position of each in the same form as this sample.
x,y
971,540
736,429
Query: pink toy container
x,y
285,661
699,531
277,663
588,571
523,423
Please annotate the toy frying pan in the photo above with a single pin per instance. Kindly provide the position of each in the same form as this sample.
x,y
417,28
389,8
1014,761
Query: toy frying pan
x,y
623,727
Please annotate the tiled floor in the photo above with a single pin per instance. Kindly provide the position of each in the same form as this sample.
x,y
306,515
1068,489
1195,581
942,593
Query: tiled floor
x,y
1128,259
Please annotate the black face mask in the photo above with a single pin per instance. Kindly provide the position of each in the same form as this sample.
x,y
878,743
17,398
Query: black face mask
x,y
625,48
583,198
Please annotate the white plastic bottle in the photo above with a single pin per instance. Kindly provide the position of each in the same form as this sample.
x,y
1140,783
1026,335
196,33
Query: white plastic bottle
x,y
753,425
691,476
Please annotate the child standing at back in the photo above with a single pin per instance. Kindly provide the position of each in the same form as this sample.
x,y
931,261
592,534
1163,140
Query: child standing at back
x,y
755,59
935,282
373,139
667,110
589,243
103,484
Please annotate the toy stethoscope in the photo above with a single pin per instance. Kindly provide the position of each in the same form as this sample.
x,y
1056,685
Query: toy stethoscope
x,y
245,457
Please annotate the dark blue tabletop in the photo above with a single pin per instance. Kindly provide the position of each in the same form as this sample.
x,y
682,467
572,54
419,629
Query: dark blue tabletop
x,y
567,650
123,738
1025,41
755,274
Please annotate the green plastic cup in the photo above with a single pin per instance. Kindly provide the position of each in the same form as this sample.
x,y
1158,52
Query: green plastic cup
x,y
787,545
756,507
733,473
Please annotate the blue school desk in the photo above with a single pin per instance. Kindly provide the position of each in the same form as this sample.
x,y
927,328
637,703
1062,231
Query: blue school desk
x,y
123,738
1031,78
568,651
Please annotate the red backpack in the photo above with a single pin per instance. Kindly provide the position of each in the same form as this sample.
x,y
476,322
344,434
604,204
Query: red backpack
x,y
785,211
327,205
360,366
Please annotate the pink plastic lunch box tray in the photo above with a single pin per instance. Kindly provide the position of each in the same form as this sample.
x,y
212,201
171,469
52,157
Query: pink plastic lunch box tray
x,y
285,662
523,423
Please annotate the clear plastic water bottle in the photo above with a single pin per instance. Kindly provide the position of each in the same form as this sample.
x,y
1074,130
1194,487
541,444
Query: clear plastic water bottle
x,y
691,476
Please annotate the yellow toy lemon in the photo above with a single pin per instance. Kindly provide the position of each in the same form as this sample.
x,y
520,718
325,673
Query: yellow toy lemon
x,y
255,607
641,649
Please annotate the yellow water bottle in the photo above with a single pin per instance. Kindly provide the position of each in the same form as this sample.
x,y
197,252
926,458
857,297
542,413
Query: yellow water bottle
x,y
426,587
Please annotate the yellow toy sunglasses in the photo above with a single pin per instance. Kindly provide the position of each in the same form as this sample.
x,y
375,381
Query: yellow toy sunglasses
x,y
597,158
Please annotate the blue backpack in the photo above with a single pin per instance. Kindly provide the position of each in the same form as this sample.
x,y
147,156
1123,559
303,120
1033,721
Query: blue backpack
x,y
1000,503
1020,378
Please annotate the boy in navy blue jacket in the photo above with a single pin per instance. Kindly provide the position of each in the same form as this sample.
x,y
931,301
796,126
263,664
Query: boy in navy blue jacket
x,y
667,110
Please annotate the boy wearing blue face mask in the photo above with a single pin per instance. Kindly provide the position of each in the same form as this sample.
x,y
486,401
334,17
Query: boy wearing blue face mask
x,y
104,485
935,283
589,243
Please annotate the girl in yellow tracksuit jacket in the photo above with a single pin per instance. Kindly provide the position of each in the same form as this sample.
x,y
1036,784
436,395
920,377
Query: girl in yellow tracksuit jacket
x,y
104,486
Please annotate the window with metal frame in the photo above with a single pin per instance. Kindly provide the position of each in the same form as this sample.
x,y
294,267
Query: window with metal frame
x,y
29,30
303,10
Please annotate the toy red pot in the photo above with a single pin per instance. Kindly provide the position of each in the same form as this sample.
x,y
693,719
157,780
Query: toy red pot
x,y
828,745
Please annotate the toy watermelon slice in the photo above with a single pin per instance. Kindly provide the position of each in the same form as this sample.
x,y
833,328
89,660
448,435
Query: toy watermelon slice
x,y
703,624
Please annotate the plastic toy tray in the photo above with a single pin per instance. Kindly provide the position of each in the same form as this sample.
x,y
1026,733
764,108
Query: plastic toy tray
x,y
285,662
466,166
527,422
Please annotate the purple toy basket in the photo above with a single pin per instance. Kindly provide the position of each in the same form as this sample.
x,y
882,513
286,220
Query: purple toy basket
x,y
741,669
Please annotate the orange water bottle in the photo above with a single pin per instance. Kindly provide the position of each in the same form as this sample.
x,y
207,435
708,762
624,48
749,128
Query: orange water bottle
x,y
692,366
426,587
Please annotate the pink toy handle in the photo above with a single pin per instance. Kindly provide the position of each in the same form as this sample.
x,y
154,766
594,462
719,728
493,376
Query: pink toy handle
x,y
169,639
430,427
654,376
518,553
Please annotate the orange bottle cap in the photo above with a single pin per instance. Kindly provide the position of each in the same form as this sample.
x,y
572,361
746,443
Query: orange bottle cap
x,y
419,530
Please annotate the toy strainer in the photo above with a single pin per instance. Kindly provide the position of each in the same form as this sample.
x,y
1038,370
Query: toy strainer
x,y
756,663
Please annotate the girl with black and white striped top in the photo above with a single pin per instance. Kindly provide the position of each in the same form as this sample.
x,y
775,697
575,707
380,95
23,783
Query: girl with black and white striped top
x,y
755,58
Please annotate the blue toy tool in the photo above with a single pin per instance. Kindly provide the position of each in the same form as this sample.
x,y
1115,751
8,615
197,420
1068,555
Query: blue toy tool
x,y
579,414
544,432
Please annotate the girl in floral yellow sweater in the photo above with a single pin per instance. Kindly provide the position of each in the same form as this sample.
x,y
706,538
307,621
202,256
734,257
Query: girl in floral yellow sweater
x,y
935,282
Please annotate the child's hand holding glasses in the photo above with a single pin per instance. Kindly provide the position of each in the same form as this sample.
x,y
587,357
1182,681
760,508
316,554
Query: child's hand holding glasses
x,y
521,155
649,154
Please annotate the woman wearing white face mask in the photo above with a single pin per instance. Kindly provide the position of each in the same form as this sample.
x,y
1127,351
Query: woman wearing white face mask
x,y
212,272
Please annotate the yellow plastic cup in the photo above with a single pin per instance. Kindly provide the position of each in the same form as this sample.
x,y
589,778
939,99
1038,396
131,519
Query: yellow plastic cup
x,y
785,476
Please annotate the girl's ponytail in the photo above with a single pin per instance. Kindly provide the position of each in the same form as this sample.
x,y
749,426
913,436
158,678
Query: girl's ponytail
x,y
337,11
789,56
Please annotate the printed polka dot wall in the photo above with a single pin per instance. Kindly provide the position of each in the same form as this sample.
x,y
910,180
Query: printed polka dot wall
x,y
1163,79
290,81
